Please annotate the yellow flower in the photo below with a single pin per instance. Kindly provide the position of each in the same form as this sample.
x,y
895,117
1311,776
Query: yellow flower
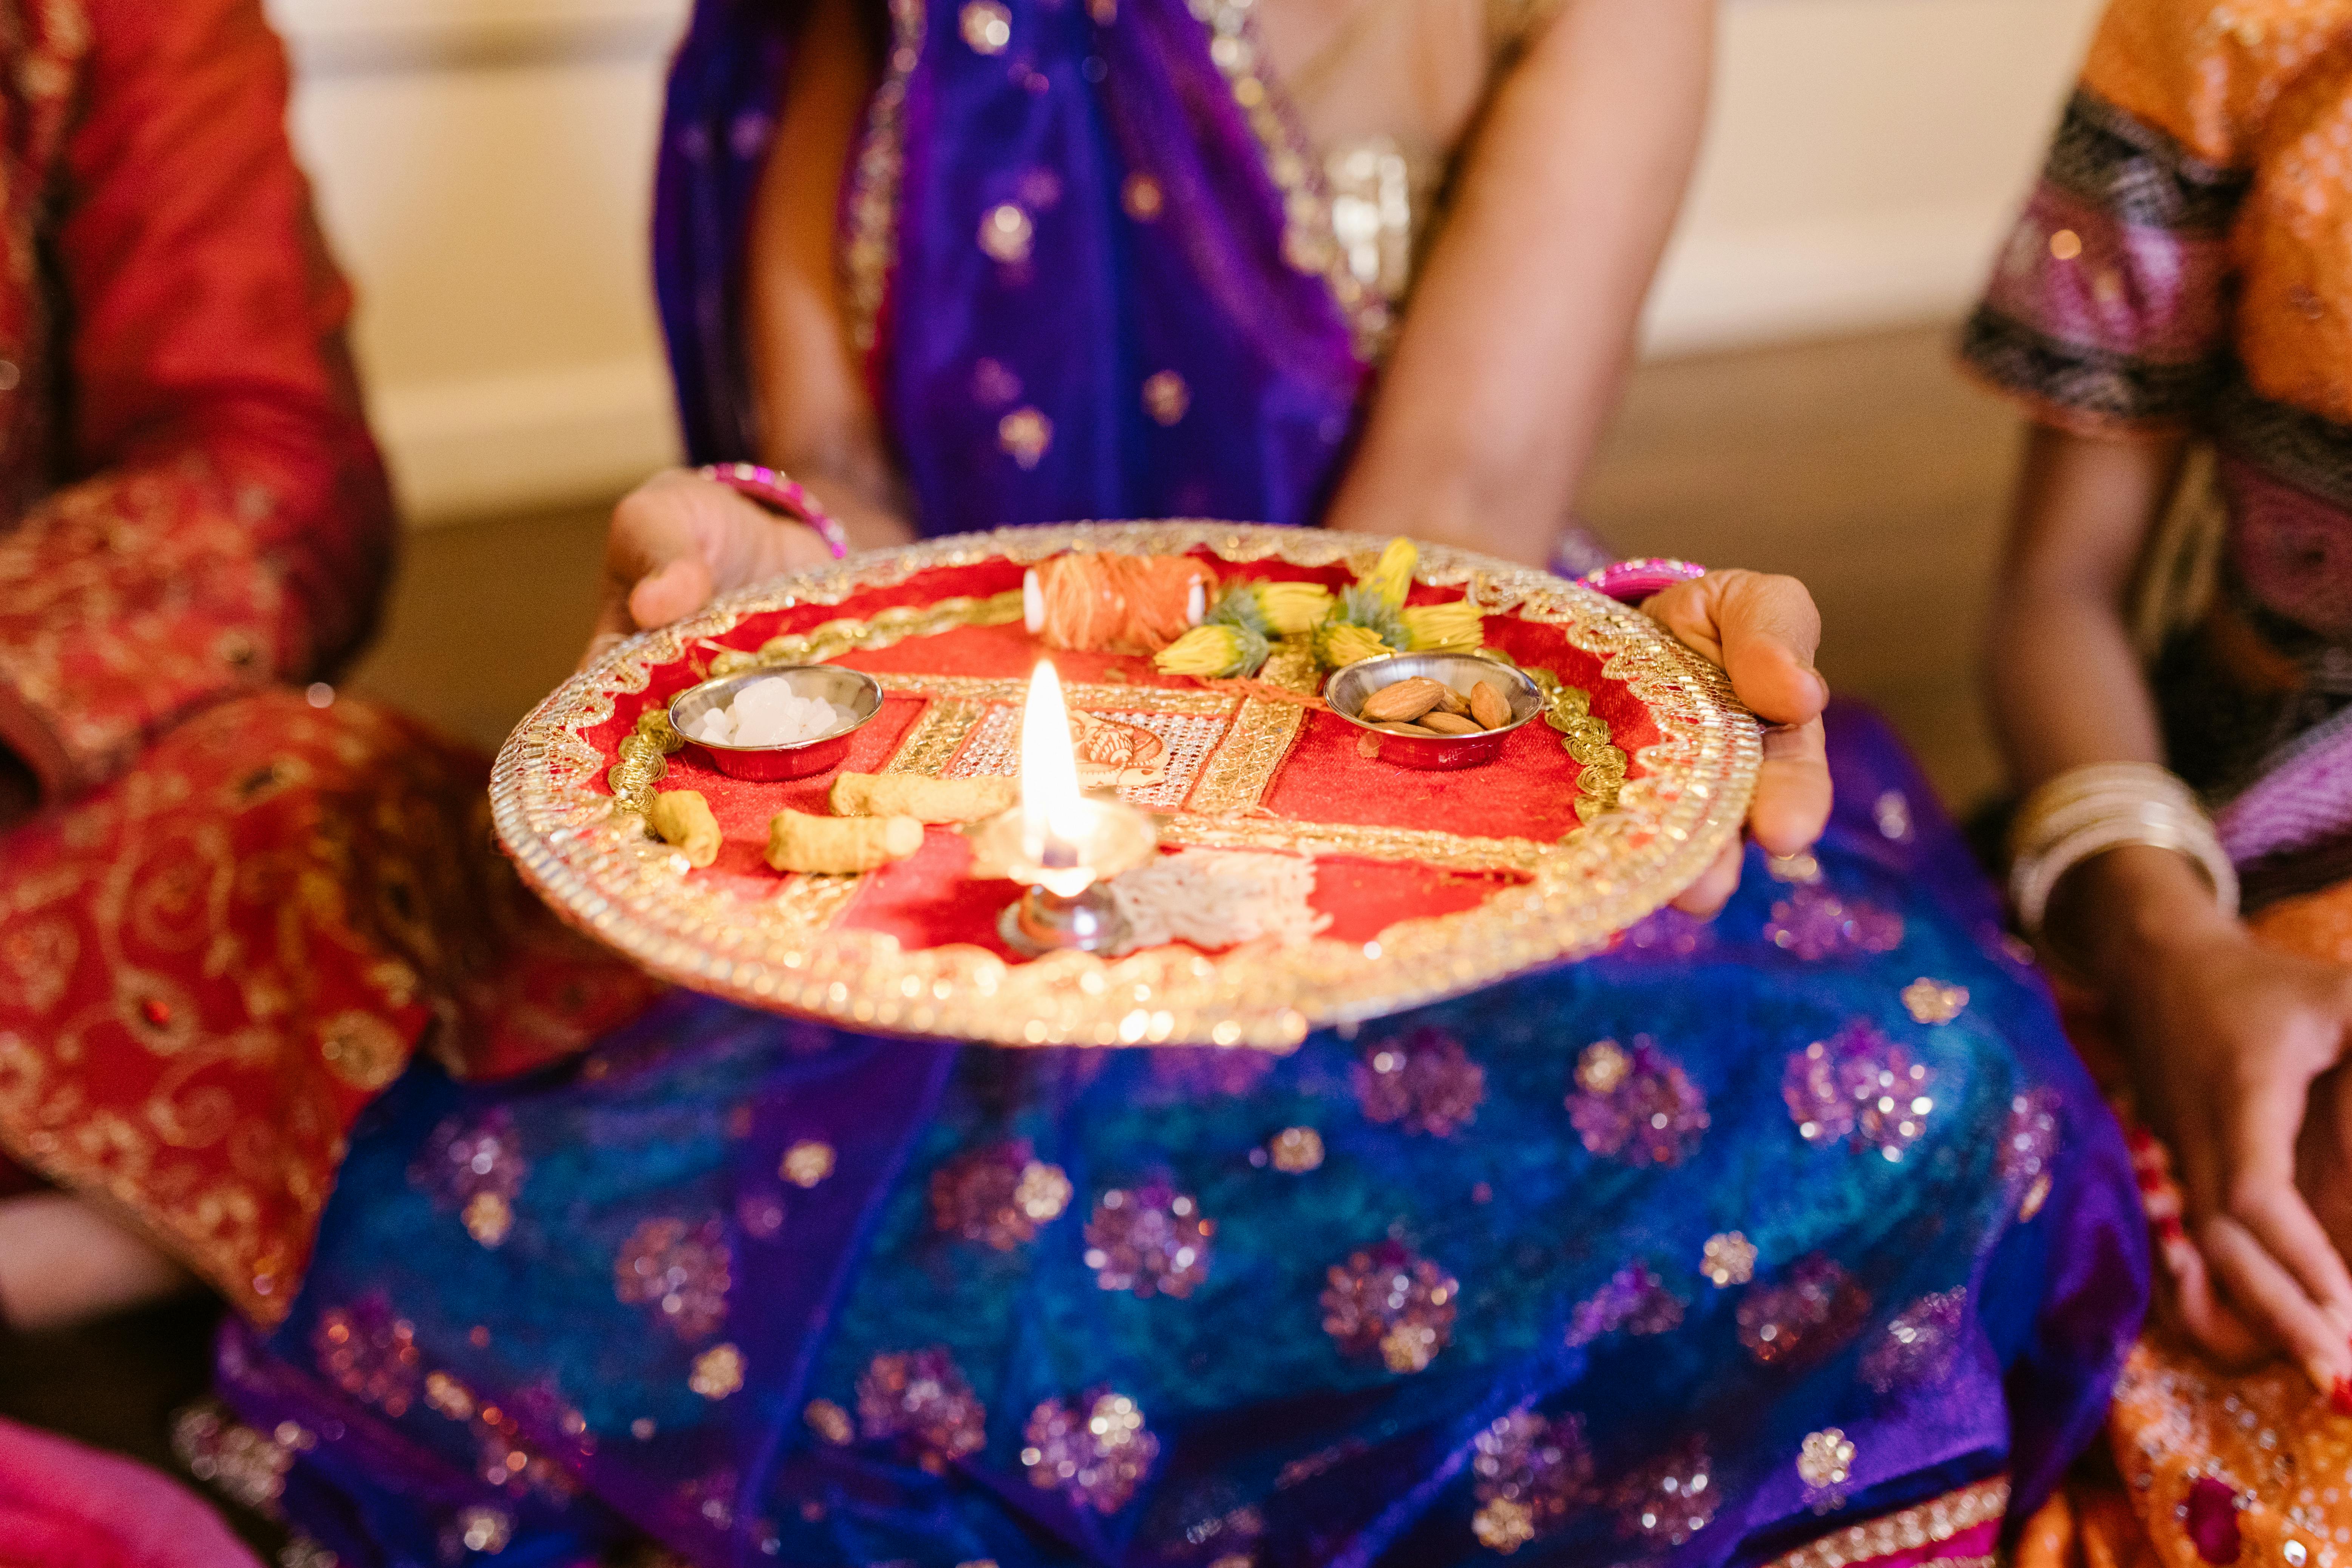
x,y
1209,652
1294,608
1342,643
1446,629
1393,576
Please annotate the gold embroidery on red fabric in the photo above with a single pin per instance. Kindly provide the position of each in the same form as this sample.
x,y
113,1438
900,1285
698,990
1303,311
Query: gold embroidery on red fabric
x,y
198,1065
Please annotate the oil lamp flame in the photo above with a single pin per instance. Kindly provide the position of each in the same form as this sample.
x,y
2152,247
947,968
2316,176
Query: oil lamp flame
x,y
1054,817
1064,845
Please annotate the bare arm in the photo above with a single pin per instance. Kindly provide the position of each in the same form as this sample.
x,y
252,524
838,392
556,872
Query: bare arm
x,y
2225,1036
1520,329
816,422
1516,343
678,538
2065,684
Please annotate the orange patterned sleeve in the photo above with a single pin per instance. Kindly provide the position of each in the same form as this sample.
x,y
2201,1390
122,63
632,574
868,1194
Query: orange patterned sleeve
x,y
225,522
2109,309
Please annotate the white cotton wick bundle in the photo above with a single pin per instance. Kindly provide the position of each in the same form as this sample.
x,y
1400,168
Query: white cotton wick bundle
x,y
1216,899
1032,602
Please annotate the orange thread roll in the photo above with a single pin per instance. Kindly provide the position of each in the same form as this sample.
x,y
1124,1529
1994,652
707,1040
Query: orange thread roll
x,y
1119,604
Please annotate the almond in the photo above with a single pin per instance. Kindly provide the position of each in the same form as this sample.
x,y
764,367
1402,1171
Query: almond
x,y
1488,706
1367,745
1404,702
1402,729
1451,702
1452,724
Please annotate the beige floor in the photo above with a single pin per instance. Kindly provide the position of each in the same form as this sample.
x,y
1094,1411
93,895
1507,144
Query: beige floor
x,y
1863,465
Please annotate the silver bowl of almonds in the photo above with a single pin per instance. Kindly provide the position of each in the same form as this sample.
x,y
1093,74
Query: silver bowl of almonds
x,y
1435,710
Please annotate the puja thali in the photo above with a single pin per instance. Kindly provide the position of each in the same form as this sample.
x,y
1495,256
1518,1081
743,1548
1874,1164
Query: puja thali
x,y
1425,884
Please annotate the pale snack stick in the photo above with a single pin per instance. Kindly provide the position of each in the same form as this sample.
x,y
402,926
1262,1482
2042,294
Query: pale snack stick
x,y
682,817
832,846
924,798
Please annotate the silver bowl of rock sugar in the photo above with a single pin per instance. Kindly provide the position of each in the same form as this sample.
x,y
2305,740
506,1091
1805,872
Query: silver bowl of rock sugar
x,y
787,721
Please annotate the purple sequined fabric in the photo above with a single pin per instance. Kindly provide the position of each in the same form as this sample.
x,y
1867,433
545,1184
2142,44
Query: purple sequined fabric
x,y
1814,923
1861,1087
921,1398
1635,1104
1634,1300
680,1272
1810,1314
1423,1081
1096,1449
1389,1299
1150,1240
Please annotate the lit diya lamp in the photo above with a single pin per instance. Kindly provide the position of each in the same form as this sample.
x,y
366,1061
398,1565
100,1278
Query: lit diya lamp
x,y
1063,843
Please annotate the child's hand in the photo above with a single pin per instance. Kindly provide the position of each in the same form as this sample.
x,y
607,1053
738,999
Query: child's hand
x,y
2228,1038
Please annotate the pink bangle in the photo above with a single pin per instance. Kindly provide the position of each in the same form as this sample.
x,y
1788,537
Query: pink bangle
x,y
1631,581
778,493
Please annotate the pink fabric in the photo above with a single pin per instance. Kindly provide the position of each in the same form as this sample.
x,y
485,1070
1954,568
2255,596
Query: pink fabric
x,y
1974,1545
65,1506
2292,548
2147,293
2300,802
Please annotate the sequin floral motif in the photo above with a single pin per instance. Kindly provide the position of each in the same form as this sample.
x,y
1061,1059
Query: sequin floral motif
x,y
1805,1317
919,1397
1530,1474
1861,1087
682,1273
1635,1104
369,1354
1728,1259
1930,1001
1098,1450
1634,1299
2029,1146
1423,1081
475,1168
1670,1500
1390,1300
997,1195
1824,1464
1918,1347
1814,923
1150,1240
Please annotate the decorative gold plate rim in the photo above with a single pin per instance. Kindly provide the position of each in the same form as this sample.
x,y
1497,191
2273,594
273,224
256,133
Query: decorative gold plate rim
x,y
593,864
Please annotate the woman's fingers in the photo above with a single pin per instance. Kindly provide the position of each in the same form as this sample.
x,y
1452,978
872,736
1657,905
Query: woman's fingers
x,y
2263,1200
654,528
2200,1311
1764,630
2263,1287
678,540
1791,807
2267,1252
671,591
1716,885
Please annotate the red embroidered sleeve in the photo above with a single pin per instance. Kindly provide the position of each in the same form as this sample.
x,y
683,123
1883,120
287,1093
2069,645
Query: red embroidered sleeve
x,y
229,523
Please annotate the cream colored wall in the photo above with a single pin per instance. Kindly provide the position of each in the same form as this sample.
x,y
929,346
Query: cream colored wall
x,y
1863,158
482,167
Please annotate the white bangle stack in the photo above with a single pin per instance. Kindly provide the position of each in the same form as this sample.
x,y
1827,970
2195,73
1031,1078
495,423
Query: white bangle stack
x,y
2088,811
